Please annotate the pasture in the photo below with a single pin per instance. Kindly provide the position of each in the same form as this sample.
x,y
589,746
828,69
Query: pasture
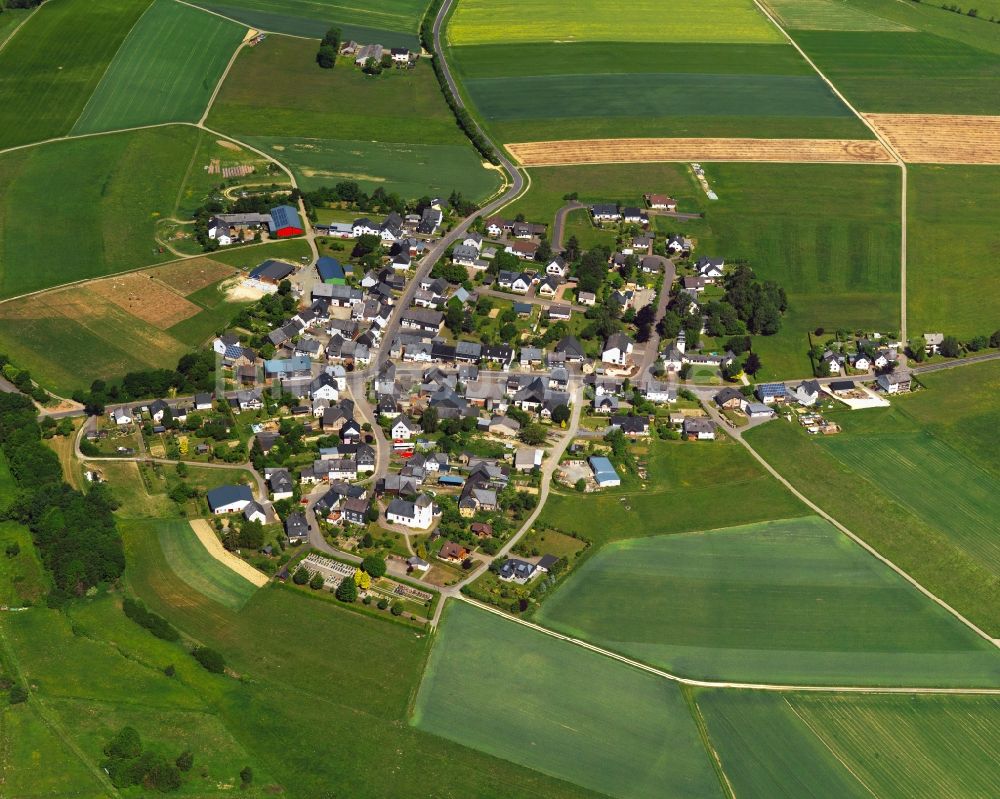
x,y
69,337
190,561
165,70
10,20
101,220
49,70
410,170
952,203
695,605
828,745
515,21
874,514
681,495
564,711
829,15
394,23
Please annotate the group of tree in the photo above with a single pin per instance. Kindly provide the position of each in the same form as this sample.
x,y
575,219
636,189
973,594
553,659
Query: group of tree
x,y
952,346
128,763
463,117
153,622
245,534
209,659
326,56
75,533
758,305
21,378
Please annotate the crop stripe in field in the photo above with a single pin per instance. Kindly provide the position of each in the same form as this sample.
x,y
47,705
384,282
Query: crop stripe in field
x,y
829,748
110,62
20,25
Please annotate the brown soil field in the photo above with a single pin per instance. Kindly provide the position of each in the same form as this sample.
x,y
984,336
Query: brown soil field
x,y
186,277
146,298
609,151
941,138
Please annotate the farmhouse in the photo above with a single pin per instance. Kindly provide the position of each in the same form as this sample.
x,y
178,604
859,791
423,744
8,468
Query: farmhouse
x,y
229,499
728,398
604,473
698,429
422,319
895,382
661,202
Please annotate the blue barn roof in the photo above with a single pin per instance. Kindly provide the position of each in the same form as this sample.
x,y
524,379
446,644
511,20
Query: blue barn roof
x,y
329,268
285,216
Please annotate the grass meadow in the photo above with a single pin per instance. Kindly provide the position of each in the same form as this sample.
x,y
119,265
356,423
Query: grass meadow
x,y
392,131
563,711
682,495
10,19
49,70
165,70
952,285
515,21
829,15
890,518
394,23
774,746
695,604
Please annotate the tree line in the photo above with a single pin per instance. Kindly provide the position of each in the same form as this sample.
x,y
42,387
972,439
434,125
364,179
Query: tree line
x,y
75,533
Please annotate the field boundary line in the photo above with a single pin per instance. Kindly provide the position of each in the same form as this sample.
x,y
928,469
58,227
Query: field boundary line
x,y
865,545
245,24
829,748
706,739
214,548
107,69
747,686
222,78
885,143
20,25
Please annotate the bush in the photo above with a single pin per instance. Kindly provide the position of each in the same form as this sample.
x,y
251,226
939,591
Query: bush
x,y
17,695
301,576
185,760
316,582
383,603
374,565
210,659
580,485
397,608
126,744
347,591
170,671
156,624
246,776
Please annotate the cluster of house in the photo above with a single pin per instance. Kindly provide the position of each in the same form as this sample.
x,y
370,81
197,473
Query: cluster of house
x,y
363,53
868,355
519,238
676,356
631,215
394,228
281,222
156,411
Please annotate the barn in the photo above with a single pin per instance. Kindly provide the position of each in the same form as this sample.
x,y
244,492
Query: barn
x,y
285,222
331,271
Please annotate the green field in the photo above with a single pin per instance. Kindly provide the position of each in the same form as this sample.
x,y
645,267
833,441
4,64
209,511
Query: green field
x,y
10,19
958,294
100,220
563,711
696,604
829,15
393,23
392,131
906,73
892,518
513,21
682,495
837,746
410,170
49,70
165,70
189,559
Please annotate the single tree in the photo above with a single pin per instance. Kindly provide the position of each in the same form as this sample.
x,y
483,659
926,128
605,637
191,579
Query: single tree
x,y
246,776
316,582
301,576
950,348
347,591
374,565
185,760
580,485
560,414
752,364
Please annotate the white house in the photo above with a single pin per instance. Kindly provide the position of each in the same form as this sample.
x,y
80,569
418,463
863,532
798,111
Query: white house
x,y
254,512
364,227
699,428
229,499
806,393
280,482
521,284
122,416
557,267
418,515
404,429
617,349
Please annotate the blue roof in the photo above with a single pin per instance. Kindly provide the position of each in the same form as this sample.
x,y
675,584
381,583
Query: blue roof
x,y
451,480
603,470
226,495
284,216
329,268
298,364
771,390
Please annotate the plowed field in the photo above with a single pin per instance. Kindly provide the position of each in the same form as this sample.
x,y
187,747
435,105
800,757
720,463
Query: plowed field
x,y
941,138
604,151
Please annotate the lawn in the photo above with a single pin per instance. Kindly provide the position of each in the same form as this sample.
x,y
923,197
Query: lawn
x,y
828,745
165,70
394,23
410,170
695,604
871,511
952,289
828,234
515,21
682,495
23,581
189,559
111,191
564,711
49,70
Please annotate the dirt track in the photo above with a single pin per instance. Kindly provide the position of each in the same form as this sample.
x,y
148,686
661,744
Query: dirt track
x,y
608,151
941,138
208,538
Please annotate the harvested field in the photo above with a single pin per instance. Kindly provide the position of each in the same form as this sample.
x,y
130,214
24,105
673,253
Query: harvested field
x,y
941,138
605,151
146,298
186,277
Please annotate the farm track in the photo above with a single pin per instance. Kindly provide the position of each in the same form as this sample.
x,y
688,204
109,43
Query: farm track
x,y
941,138
611,151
